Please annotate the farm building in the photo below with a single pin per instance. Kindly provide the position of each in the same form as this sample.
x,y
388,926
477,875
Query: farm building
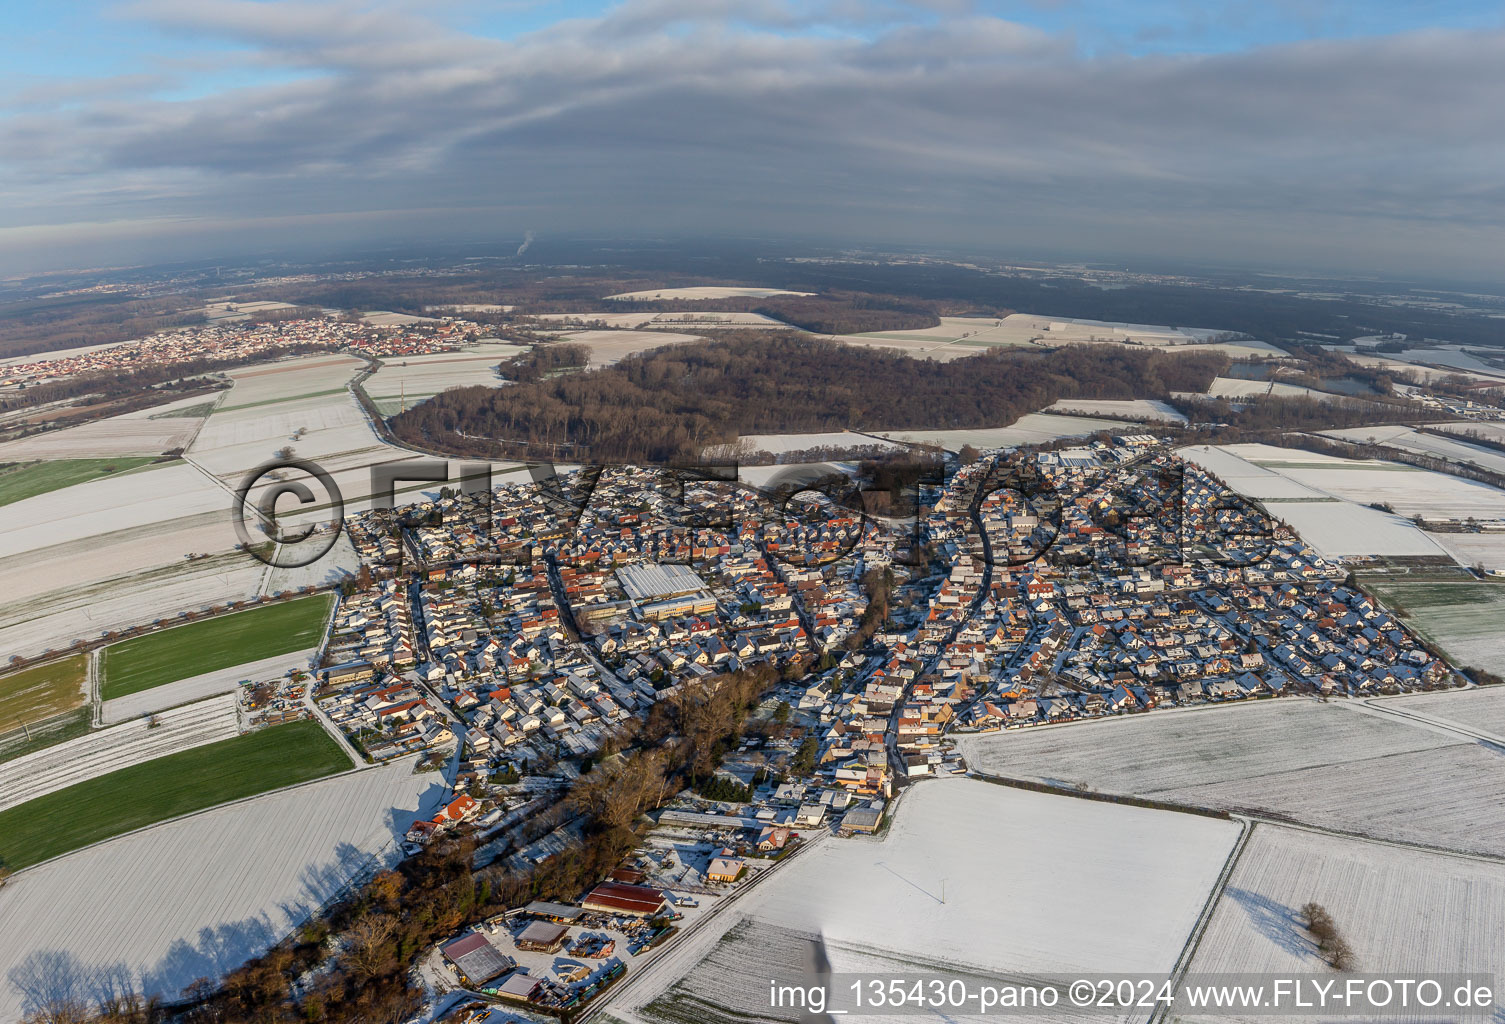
x,y
542,937
620,898
522,986
350,672
477,959
560,913
861,819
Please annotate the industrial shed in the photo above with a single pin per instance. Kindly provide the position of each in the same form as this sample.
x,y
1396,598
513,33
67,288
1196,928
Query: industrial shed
x,y
542,937
621,898
477,959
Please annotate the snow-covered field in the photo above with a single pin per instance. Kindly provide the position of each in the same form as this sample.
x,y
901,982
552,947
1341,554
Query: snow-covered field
x,y
1461,616
1135,408
143,432
1486,549
1327,499
780,443
197,896
413,378
1477,707
688,320
980,877
1412,440
107,750
608,347
1032,428
1339,765
704,292
1405,913
1235,387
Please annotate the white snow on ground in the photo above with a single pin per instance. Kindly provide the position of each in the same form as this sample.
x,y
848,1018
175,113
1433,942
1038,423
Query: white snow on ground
x,y
1337,765
1235,387
695,320
1340,529
150,495
1477,707
1405,913
107,750
704,292
170,695
1136,408
608,347
1486,549
1034,428
1013,905
414,378
780,443
130,434
1412,440
197,896
1326,499
886,894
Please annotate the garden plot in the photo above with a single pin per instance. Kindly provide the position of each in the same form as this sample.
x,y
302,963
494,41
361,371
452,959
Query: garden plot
x,y
1140,409
1405,913
1033,428
609,347
107,750
1462,617
239,878
704,292
1335,765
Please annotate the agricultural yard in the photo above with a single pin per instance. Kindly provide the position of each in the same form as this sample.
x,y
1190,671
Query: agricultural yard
x,y
1033,428
704,292
42,691
224,641
1405,913
1338,765
107,750
877,903
239,878
609,347
1461,616
166,787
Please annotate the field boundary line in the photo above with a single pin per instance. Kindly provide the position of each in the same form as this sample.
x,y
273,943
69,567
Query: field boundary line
x,y
1209,907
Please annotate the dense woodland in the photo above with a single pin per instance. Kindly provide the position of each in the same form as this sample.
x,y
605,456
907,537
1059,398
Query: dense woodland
x,y
671,403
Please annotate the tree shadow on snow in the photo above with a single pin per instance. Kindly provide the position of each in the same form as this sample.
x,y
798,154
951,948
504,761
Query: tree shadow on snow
x,y
1275,921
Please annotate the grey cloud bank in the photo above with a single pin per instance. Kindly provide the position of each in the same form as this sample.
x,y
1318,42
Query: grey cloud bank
x,y
1366,154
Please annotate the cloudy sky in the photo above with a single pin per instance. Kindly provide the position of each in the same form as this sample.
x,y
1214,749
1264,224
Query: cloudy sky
x,y
1355,134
